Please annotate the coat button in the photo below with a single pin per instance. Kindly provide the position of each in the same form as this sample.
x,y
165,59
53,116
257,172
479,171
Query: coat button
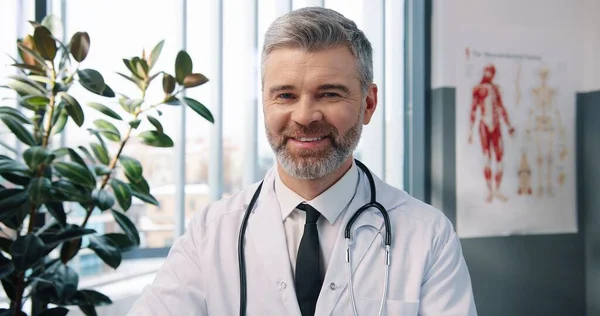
x,y
283,285
332,286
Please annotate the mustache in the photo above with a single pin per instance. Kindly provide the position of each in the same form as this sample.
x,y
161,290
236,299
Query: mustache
x,y
316,130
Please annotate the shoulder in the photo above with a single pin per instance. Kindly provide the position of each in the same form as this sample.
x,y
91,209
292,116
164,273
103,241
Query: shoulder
x,y
414,215
235,203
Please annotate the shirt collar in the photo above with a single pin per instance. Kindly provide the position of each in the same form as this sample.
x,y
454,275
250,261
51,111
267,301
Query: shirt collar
x,y
330,203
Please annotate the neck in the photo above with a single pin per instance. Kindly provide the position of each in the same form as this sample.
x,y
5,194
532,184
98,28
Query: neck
x,y
308,189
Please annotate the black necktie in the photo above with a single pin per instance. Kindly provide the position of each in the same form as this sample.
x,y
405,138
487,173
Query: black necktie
x,y
308,280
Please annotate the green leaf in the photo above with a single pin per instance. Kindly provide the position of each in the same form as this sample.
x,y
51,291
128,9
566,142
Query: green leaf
x,y
156,139
156,123
56,311
168,83
39,190
34,69
57,210
24,88
88,310
76,158
108,92
130,105
36,155
87,154
132,167
9,165
44,43
5,244
14,113
37,102
183,66
127,226
121,241
19,130
89,298
61,122
64,280
103,199
6,266
100,153
74,108
31,54
11,201
194,80
104,110
69,191
41,79
108,130
199,108
155,54
69,249
104,248
70,232
80,46
92,80
146,197
26,251
135,123
76,173
101,170
122,193
140,184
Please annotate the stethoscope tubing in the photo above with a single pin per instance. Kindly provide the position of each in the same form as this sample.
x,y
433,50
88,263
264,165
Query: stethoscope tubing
x,y
347,232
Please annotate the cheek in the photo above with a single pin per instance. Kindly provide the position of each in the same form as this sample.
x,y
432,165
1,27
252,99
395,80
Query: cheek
x,y
275,120
342,118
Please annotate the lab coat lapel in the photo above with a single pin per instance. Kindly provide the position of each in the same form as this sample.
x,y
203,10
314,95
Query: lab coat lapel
x,y
267,237
363,233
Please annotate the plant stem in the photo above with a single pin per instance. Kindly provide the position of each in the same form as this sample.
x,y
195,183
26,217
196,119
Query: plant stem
x,y
20,286
51,114
111,166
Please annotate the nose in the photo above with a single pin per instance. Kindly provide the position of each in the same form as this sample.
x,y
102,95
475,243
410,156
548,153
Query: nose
x,y
306,111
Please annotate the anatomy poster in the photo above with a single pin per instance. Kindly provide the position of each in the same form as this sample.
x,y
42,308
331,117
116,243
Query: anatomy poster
x,y
515,135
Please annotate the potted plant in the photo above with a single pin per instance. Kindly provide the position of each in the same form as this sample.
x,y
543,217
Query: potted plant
x,y
44,180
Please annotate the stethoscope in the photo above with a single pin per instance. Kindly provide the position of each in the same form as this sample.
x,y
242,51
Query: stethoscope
x,y
387,243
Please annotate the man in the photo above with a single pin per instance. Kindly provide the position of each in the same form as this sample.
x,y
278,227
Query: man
x,y
317,94
488,100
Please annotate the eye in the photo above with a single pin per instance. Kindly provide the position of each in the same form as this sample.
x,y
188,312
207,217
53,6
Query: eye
x,y
285,96
330,95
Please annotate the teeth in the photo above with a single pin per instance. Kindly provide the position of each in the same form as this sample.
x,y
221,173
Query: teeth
x,y
306,139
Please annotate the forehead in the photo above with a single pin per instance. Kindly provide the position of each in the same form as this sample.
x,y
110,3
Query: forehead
x,y
295,67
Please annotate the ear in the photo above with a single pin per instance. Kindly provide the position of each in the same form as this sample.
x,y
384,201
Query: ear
x,y
371,101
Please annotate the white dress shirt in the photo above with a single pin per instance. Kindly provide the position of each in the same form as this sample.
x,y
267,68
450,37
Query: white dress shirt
x,y
331,204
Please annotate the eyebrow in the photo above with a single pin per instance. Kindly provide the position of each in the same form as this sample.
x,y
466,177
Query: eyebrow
x,y
339,87
328,86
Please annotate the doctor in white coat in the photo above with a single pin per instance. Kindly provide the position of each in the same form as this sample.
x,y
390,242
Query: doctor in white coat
x,y
318,92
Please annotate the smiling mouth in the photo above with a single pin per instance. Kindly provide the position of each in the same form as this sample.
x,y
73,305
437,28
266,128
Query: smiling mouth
x,y
309,139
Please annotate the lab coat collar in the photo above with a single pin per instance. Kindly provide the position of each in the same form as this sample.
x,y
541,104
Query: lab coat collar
x,y
266,235
330,203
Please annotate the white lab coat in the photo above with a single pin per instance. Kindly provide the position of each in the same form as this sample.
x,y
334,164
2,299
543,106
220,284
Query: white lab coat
x,y
428,275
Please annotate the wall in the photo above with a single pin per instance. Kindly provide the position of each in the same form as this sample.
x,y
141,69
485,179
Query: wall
x,y
533,274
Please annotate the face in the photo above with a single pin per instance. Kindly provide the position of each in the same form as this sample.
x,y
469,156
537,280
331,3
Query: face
x,y
314,109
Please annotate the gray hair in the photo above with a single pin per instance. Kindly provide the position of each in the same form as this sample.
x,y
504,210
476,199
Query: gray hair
x,y
313,29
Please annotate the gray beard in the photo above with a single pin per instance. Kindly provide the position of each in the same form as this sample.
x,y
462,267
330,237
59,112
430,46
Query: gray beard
x,y
312,167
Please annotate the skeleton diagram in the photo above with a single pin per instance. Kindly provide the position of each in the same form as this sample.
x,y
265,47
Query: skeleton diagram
x,y
544,122
488,101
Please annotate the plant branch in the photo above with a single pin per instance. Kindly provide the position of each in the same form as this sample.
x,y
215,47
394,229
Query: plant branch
x,y
51,106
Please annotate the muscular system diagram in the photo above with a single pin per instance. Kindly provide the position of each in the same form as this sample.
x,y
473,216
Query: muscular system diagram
x,y
487,100
544,126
